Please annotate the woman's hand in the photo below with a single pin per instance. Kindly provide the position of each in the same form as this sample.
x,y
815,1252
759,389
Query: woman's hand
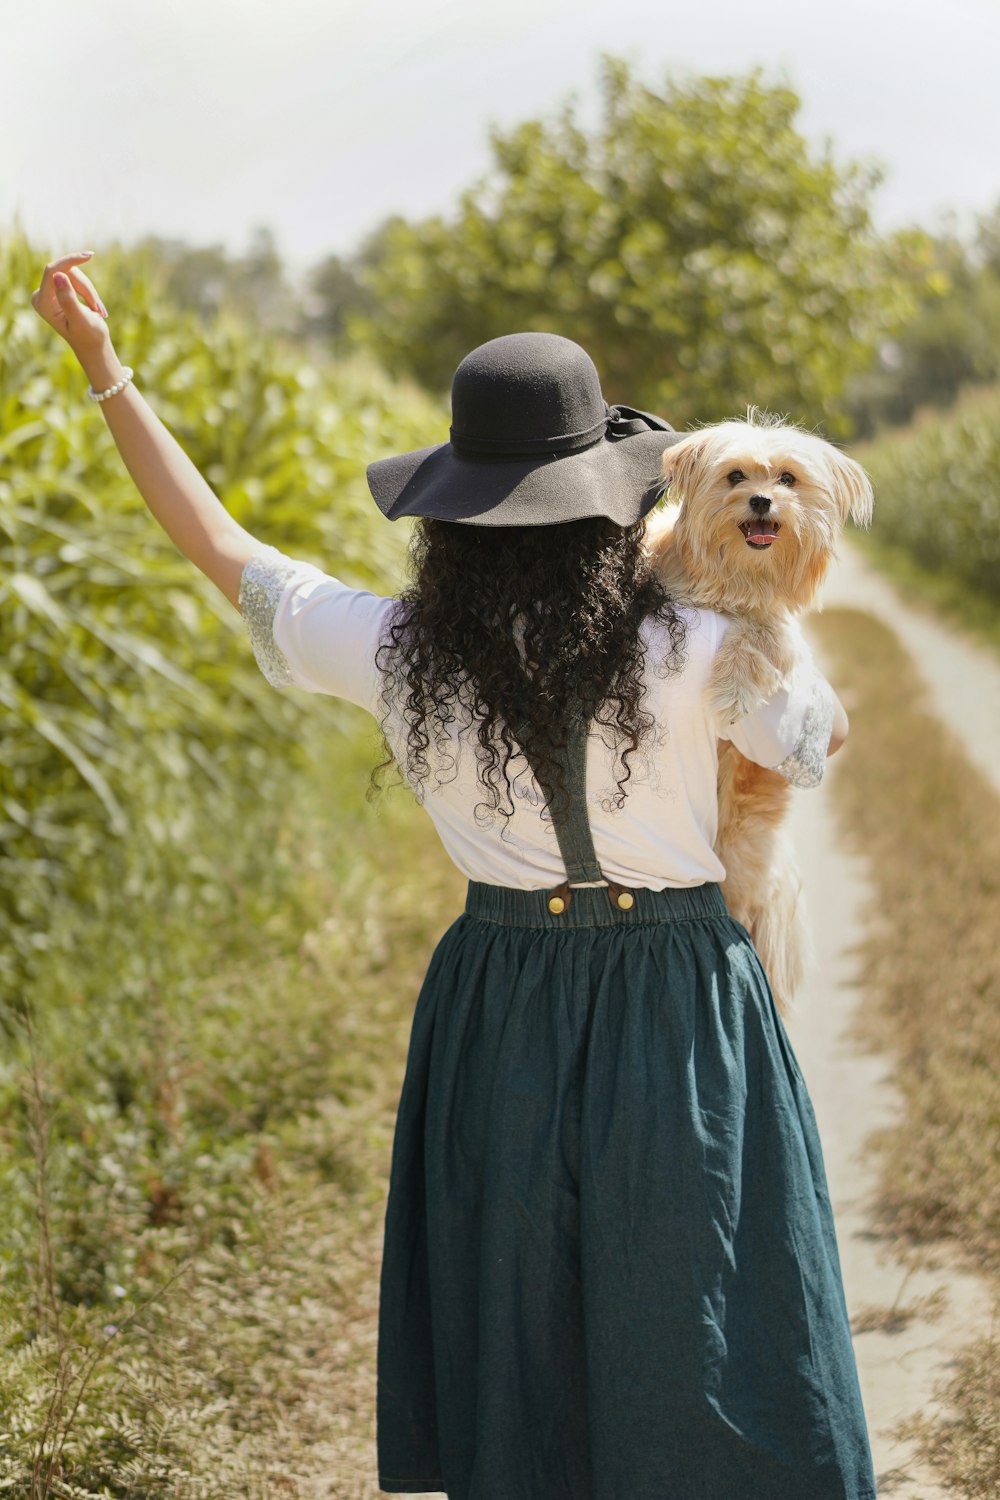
x,y
182,501
80,320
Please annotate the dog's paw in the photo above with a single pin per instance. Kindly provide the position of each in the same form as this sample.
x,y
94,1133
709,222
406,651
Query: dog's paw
x,y
729,704
734,694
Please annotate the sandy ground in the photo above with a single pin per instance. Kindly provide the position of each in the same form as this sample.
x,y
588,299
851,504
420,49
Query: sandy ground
x,y
851,1090
963,679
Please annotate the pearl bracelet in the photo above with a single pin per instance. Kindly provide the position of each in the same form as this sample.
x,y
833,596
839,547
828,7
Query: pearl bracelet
x,y
112,390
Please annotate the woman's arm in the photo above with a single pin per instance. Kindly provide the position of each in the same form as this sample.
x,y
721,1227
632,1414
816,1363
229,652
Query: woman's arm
x,y
179,497
841,726
795,730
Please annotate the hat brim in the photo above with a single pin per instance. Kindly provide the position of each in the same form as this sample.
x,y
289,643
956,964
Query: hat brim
x,y
620,478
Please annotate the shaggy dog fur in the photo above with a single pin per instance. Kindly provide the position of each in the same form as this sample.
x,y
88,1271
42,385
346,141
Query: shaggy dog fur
x,y
755,509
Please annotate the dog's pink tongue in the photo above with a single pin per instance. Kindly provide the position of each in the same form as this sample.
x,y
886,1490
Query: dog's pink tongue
x,y
762,533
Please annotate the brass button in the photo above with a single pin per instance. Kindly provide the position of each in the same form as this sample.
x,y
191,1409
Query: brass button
x,y
626,900
556,905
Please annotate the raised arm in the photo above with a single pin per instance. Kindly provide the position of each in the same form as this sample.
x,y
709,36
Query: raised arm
x,y
179,497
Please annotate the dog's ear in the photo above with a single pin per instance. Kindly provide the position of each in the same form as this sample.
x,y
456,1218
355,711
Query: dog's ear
x,y
852,488
680,464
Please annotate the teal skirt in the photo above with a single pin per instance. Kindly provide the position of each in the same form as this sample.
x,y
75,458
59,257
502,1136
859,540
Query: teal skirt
x,y
610,1269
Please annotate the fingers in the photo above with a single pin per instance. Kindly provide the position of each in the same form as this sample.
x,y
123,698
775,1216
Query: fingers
x,y
79,279
68,260
65,295
78,319
64,263
46,291
56,309
67,292
54,303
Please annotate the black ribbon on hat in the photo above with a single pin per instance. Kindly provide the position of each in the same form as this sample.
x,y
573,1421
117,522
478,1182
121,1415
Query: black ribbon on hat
x,y
619,422
626,421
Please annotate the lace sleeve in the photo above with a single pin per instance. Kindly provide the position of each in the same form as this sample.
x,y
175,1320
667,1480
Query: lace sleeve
x,y
310,630
262,584
790,733
807,761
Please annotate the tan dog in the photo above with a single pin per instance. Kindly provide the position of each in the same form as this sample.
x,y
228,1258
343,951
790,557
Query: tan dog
x,y
755,511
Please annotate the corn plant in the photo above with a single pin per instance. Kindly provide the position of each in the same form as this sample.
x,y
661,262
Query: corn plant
x,y
129,694
937,488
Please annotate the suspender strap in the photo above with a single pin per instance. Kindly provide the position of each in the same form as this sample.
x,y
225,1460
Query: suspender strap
x,y
568,810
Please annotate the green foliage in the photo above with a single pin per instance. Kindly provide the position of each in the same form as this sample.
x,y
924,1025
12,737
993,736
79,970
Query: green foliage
x,y
937,495
950,342
189,1164
335,294
206,280
133,708
692,242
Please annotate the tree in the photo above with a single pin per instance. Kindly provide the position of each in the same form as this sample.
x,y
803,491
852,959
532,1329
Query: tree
x,y
192,276
951,339
259,287
205,279
334,292
692,242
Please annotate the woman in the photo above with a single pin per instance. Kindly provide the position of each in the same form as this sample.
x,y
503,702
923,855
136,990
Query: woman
x,y
610,1268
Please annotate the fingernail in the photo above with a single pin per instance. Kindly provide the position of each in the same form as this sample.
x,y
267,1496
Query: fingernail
x,y
86,252
60,279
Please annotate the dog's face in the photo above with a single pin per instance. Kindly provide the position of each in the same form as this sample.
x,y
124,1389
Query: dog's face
x,y
761,507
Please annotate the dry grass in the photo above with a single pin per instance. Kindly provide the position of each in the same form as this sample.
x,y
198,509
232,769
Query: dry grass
x,y
929,824
898,1316
965,1449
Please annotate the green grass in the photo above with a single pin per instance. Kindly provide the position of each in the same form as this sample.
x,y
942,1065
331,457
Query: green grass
x,y
928,825
211,1163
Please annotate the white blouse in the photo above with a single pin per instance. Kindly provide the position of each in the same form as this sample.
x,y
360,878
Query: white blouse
x,y
311,631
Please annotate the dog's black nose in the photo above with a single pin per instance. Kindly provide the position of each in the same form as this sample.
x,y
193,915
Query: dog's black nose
x,y
760,504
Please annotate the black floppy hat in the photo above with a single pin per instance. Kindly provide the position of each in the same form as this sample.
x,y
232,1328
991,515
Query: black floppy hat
x,y
533,442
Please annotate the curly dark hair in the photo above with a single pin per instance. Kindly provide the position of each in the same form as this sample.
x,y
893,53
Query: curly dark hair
x,y
571,597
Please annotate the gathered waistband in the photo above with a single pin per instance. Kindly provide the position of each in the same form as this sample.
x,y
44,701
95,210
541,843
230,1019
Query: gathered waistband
x,y
591,906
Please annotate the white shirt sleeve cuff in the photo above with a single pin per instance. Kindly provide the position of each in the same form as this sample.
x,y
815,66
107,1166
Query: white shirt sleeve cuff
x,y
790,733
805,765
264,579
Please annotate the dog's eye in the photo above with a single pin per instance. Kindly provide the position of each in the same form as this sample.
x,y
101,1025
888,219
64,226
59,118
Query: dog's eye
x,y
786,478
735,476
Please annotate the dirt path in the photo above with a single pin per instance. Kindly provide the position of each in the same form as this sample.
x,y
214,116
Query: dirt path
x,y
964,679
851,1090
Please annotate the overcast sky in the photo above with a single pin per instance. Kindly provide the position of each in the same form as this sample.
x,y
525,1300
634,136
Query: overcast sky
x,y
201,119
